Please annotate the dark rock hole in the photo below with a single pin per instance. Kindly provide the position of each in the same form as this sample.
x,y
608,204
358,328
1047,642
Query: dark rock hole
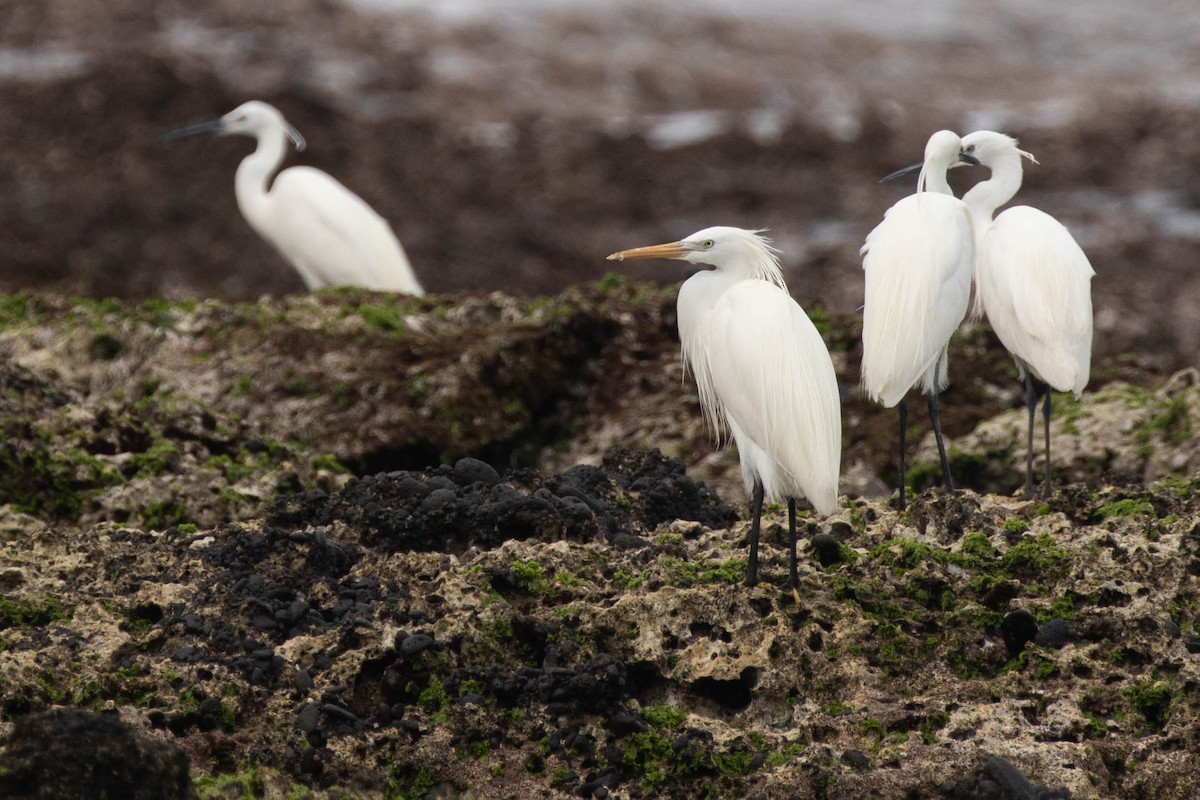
x,y
734,695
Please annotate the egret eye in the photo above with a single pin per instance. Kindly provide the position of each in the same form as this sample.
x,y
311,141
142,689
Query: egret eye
x,y
969,148
707,244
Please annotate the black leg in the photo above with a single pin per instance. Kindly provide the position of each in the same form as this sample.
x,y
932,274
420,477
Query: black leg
x,y
1046,419
1031,404
935,417
756,504
903,499
793,575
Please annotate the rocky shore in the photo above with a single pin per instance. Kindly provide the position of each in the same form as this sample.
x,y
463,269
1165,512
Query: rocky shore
x,y
213,553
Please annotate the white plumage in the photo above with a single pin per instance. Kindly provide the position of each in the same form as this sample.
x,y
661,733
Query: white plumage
x,y
1033,282
768,365
325,231
918,264
1035,289
761,369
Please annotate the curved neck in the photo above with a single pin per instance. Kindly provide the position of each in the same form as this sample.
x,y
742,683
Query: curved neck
x,y
253,178
933,180
986,196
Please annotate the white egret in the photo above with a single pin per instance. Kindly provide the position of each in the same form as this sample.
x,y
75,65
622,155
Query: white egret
x,y
918,263
1033,282
328,233
761,368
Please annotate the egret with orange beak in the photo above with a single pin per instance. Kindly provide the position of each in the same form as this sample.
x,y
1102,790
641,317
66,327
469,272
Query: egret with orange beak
x,y
762,372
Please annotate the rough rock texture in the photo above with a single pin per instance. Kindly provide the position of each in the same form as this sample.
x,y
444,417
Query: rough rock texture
x,y
71,753
380,381
1121,434
487,629
151,458
387,383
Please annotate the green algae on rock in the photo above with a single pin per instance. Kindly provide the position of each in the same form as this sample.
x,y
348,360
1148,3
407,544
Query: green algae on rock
x,y
298,629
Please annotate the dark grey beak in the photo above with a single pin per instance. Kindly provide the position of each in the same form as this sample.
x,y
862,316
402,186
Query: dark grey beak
x,y
215,126
913,169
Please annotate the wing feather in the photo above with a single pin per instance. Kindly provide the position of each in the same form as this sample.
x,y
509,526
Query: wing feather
x,y
1035,287
918,262
772,372
333,237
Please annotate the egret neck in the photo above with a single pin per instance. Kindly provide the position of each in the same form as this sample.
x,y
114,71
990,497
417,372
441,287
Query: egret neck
x,y
253,178
986,196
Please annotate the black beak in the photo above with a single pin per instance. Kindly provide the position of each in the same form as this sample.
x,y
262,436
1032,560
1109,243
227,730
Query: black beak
x,y
913,169
215,126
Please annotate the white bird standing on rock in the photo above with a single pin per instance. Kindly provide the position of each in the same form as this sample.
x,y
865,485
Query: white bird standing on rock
x,y
760,367
1033,282
324,230
918,263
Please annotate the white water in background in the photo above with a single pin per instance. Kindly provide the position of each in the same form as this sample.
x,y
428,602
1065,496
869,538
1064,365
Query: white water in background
x,y
1154,41
1111,32
40,63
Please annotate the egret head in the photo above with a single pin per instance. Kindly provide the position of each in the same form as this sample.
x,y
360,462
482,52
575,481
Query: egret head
x,y
991,148
719,246
252,118
742,253
943,151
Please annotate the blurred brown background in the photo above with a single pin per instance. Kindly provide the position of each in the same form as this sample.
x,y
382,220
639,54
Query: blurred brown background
x,y
513,145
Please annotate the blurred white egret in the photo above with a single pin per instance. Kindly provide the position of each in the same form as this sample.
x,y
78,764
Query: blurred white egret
x,y
918,264
1032,281
323,229
761,368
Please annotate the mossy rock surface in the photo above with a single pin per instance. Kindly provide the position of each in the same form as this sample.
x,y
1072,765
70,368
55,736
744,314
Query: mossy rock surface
x,y
606,646
358,545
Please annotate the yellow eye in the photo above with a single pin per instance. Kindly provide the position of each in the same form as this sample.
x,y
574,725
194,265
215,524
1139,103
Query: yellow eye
x,y
969,148
708,243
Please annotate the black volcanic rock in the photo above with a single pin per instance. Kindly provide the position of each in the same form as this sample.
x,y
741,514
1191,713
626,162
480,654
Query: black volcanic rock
x,y
634,492
70,753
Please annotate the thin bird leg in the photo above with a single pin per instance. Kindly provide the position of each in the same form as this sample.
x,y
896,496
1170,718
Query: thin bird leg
x,y
756,504
793,576
1046,420
1031,405
902,500
936,418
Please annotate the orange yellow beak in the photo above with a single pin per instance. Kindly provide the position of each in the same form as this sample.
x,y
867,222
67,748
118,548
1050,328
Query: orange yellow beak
x,y
669,250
